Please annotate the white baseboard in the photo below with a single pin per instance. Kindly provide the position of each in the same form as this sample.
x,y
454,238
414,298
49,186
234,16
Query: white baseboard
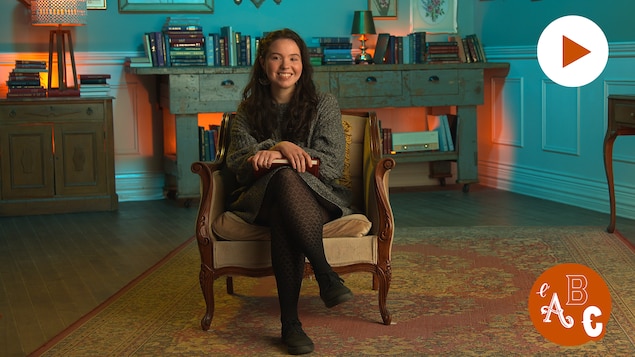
x,y
580,192
140,186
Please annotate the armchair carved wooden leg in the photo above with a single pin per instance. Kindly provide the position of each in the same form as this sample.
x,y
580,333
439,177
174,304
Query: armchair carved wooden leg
x,y
384,285
206,278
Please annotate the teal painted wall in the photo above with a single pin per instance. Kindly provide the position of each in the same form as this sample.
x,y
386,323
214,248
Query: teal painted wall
x,y
520,22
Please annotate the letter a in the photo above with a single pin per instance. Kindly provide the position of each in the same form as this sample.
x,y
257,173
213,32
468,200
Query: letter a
x,y
556,308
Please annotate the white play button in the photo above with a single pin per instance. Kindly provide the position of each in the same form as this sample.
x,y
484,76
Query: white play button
x,y
572,51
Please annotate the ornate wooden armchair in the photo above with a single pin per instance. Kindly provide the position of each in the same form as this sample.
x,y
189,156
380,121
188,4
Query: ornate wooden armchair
x,y
358,243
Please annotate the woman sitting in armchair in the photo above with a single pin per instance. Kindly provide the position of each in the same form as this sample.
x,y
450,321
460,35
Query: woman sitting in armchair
x,y
283,116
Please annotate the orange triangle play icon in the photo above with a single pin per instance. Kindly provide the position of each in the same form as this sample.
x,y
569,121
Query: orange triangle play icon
x,y
571,51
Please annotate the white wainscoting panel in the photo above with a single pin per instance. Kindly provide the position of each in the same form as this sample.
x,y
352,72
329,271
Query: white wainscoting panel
x,y
560,118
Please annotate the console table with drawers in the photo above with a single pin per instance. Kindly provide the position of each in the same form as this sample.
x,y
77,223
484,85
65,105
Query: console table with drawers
x,y
187,91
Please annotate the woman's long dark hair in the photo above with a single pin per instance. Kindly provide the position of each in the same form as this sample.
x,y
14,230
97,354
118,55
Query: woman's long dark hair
x,y
258,104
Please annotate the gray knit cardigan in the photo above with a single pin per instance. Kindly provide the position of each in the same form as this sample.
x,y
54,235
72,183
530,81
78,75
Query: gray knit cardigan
x,y
326,141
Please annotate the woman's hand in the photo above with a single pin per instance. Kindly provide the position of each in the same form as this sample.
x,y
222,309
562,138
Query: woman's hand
x,y
298,158
263,159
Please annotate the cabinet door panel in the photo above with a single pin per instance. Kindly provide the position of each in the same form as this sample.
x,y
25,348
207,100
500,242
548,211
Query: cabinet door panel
x,y
79,159
27,164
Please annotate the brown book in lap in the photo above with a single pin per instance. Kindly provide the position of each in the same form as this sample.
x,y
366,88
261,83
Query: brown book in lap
x,y
314,170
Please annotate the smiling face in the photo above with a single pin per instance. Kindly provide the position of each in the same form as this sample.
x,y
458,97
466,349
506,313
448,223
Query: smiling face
x,y
283,66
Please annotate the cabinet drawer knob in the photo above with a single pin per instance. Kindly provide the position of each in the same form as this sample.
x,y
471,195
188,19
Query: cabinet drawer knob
x,y
89,111
433,79
227,83
632,115
371,80
12,113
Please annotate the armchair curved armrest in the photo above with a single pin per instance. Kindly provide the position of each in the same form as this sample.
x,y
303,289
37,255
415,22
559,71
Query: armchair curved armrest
x,y
376,176
210,200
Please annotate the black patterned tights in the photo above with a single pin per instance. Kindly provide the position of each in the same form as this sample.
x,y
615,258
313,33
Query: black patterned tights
x,y
296,218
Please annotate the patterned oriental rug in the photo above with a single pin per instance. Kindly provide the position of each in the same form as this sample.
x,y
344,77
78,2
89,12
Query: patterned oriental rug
x,y
455,291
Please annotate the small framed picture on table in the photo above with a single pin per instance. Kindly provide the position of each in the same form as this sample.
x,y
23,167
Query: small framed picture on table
x,y
383,9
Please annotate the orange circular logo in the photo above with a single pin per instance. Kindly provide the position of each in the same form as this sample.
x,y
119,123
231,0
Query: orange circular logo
x,y
570,304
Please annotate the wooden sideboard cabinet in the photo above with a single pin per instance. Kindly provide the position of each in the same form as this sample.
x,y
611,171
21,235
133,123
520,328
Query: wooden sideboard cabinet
x,y
186,91
56,155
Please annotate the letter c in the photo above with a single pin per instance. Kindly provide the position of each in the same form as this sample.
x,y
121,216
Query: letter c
x,y
592,311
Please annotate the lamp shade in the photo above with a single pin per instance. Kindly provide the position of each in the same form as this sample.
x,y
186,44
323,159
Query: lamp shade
x,y
363,23
58,12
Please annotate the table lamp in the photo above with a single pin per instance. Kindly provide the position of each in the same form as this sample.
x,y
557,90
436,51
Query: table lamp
x,y
363,25
60,13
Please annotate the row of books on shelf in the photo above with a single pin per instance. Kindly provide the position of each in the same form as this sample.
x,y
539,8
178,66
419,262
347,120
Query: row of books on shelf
x,y
179,43
25,81
444,125
183,42
208,142
414,48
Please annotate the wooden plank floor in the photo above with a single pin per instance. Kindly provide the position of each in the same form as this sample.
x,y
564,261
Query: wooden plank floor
x,y
56,268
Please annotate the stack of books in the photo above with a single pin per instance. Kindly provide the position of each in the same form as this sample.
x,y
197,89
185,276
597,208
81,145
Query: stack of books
x,y
443,52
316,54
94,85
183,42
24,80
335,50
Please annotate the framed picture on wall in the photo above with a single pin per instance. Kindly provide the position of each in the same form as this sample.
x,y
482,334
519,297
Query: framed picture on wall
x,y
383,9
96,4
433,16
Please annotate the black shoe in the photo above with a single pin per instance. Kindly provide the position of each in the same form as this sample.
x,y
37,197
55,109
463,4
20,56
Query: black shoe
x,y
298,343
332,290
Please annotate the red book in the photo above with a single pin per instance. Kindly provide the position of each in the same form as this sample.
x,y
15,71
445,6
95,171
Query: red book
x,y
69,92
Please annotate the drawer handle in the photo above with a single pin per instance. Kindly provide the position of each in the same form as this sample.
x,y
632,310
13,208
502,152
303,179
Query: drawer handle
x,y
89,111
227,83
433,79
632,115
12,113
371,80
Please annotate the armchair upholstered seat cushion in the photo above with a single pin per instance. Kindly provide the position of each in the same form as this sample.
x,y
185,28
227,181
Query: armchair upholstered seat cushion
x,y
228,226
361,242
